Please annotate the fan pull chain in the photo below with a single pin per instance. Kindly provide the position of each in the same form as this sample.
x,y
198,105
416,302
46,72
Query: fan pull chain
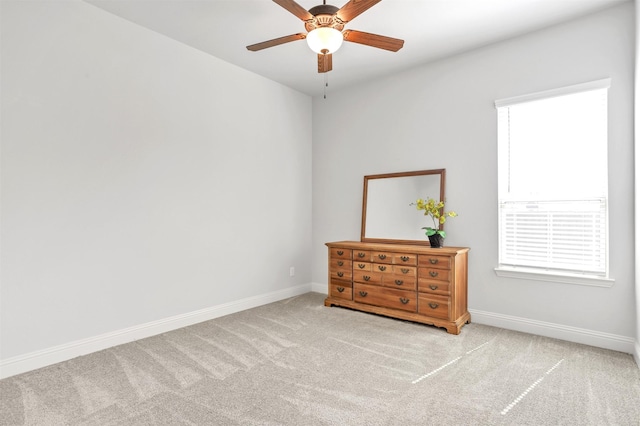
x,y
326,84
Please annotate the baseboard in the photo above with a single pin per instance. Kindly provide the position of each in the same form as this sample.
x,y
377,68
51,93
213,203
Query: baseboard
x,y
636,354
42,358
557,331
320,288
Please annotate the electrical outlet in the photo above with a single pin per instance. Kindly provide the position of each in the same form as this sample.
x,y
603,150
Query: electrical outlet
x,y
292,271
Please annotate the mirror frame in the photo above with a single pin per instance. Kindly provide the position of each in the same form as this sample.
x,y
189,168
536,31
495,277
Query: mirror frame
x,y
363,238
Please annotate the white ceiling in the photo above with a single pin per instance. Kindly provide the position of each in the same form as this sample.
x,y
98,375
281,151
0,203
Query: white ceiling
x,y
431,29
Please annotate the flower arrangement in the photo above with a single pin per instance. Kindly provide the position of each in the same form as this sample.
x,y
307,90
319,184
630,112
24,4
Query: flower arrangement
x,y
434,209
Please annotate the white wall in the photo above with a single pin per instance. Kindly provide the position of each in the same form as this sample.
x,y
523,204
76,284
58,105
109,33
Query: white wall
x,y
442,115
141,179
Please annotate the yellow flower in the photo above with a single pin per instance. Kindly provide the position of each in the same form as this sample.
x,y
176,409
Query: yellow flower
x,y
434,209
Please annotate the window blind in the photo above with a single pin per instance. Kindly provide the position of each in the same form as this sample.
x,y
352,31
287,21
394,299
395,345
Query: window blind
x,y
564,236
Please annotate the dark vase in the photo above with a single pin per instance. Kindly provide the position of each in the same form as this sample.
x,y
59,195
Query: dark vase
x,y
436,240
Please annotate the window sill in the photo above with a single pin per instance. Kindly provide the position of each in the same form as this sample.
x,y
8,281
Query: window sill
x,y
555,277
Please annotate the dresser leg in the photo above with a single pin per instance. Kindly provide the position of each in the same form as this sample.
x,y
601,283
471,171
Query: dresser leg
x,y
453,330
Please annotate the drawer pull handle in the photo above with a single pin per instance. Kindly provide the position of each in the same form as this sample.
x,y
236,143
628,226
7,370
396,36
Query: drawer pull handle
x,y
366,277
433,261
363,293
405,270
340,252
361,265
433,274
433,287
382,256
433,305
340,274
340,289
362,254
399,282
404,300
340,263
404,258
382,268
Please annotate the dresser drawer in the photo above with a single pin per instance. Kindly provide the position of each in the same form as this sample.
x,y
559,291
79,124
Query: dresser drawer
x,y
401,282
409,271
362,266
433,305
340,274
382,257
384,296
368,277
363,255
434,261
340,253
337,263
341,290
433,274
382,268
405,259
433,287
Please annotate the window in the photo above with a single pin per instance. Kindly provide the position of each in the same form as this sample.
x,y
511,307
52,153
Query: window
x,y
552,177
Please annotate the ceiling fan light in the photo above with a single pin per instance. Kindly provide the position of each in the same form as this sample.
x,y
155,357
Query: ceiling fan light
x,y
324,38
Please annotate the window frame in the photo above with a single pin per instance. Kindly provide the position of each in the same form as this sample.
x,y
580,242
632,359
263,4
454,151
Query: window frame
x,y
539,274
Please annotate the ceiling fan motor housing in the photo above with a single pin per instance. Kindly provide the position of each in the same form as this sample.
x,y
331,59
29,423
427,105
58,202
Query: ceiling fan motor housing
x,y
324,15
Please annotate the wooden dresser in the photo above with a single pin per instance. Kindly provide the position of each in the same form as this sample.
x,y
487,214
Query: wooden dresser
x,y
410,282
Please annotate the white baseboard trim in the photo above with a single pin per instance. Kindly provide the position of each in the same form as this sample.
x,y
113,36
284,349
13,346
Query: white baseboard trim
x,y
557,331
42,358
636,354
320,288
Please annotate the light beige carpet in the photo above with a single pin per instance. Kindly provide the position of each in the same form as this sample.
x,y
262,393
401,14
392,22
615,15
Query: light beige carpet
x,y
297,362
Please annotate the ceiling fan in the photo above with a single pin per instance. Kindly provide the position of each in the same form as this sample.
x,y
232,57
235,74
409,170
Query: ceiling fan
x,y
324,24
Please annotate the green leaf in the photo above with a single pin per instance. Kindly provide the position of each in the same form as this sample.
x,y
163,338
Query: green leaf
x,y
430,231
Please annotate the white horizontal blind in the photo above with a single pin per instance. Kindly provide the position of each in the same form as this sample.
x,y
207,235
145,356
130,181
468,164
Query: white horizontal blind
x,y
558,235
553,180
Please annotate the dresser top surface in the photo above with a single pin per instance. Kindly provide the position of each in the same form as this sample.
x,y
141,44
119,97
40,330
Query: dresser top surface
x,y
403,248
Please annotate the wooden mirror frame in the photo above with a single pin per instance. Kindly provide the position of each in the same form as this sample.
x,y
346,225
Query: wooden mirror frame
x,y
367,179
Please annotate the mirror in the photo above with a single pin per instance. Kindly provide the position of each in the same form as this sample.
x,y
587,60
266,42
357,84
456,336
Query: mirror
x,y
387,213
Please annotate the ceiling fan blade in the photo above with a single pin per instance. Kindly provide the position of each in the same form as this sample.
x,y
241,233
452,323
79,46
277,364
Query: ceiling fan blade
x,y
354,8
276,42
295,8
325,62
374,40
